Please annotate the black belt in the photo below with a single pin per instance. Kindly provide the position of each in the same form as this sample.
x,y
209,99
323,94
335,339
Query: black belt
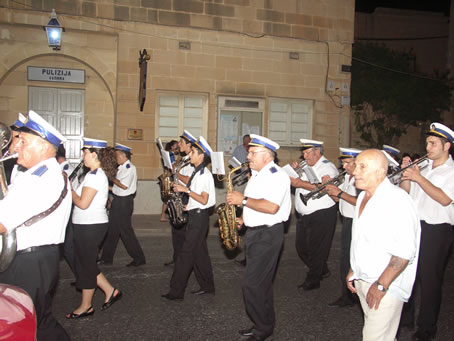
x,y
123,196
259,227
197,210
38,248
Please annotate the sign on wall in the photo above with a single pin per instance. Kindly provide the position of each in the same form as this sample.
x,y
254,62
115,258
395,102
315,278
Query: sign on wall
x,y
53,74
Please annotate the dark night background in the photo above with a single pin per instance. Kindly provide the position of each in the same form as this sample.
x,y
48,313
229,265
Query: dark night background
x,y
420,5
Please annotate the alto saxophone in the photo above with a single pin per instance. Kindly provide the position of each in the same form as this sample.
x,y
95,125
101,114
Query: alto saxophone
x,y
175,207
227,218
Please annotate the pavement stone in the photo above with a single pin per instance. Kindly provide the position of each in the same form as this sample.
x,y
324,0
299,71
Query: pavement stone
x,y
143,315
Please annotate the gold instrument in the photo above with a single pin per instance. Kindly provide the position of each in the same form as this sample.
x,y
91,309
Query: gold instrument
x,y
396,176
320,191
227,217
9,243
299,169
165,183
175,207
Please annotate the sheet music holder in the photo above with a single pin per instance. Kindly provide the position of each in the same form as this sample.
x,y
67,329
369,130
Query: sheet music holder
x,y
166,158
217,163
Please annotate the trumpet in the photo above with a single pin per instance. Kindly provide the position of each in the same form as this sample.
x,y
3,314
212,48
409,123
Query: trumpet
x,y
400,171
300,168
321,191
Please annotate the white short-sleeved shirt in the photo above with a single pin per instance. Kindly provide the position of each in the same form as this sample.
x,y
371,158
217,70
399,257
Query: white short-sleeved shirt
x,y
127,175
34,192
379,234
16,173
96,212
202,182
430,210
348,186
322,167
186,170
273,184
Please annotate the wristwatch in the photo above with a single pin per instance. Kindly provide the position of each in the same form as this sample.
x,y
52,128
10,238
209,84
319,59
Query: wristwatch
x,y
339,194
244,201
381,287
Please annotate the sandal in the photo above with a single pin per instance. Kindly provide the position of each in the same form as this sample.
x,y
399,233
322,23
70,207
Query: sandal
x,y
112,299
86,313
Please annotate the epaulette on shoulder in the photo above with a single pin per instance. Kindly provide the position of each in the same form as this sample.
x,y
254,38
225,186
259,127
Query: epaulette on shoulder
x,y
40,171
128,166
66,167
273,170
326,161
94,172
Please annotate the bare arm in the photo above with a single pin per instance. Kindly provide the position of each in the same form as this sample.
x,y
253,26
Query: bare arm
x,y
201,198
84,200
119,184
395,267
334,191
260,205
2,228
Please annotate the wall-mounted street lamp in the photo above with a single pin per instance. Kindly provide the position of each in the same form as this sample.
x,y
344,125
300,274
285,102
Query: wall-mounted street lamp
x,y
54,31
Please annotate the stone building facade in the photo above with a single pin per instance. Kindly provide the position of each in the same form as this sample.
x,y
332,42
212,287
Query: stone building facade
x,y
219,68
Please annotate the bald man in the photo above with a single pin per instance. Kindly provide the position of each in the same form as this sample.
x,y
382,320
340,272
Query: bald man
x,y
384,249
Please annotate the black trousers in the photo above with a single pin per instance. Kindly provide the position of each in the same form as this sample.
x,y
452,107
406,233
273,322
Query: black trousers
x,y
177,240
68,245
120,226
436,241
346,241
37,272
262,253
193,255
87,239
314,234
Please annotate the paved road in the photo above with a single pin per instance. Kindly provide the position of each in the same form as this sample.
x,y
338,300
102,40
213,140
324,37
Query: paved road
x,y
143,315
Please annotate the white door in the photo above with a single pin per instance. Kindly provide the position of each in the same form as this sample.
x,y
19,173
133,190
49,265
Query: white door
x,y
64,109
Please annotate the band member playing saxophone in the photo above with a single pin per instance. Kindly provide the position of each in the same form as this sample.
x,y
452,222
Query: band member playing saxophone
x,y
432,189
266,206
42,198
346,195
316,221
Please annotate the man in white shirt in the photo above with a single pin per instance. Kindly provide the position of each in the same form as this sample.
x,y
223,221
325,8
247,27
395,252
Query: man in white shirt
x,y
384,248
266,206
316,220
37,208
432,189
120,213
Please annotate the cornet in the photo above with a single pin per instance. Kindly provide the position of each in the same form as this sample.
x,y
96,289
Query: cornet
x,y
400,171
320,191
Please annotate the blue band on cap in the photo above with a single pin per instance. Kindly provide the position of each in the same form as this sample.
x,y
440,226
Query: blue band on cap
x,y
95,144
349,154
204,149
123,148
392,151
443,133
189,138
256,141
41,131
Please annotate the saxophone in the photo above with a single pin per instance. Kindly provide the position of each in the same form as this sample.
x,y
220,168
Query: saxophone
x,y
178,216
227,218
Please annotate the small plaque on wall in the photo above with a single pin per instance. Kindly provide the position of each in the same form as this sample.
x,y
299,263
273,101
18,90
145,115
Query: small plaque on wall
x,y
135,134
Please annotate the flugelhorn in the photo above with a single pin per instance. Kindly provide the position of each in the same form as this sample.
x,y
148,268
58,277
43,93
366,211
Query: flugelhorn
x,y
400,171
320,191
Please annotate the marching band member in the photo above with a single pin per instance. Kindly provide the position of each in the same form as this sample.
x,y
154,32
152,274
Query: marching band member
x,y
38,205
12,168
346,195
432,189
194,252
266,206
120,213
316,222
183,175
90,224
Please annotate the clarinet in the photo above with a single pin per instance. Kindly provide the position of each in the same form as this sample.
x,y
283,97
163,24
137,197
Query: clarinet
x,y
75,171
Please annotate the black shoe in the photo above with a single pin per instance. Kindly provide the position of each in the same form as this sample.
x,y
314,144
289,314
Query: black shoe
x,y
134,263
103,262
246,332
325,275
172,262
309,285
112,299
171,297
241,262
202,292
341,302
422,335
86,313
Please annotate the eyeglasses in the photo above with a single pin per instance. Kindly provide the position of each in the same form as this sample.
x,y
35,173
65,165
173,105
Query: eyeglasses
x,y
259,151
